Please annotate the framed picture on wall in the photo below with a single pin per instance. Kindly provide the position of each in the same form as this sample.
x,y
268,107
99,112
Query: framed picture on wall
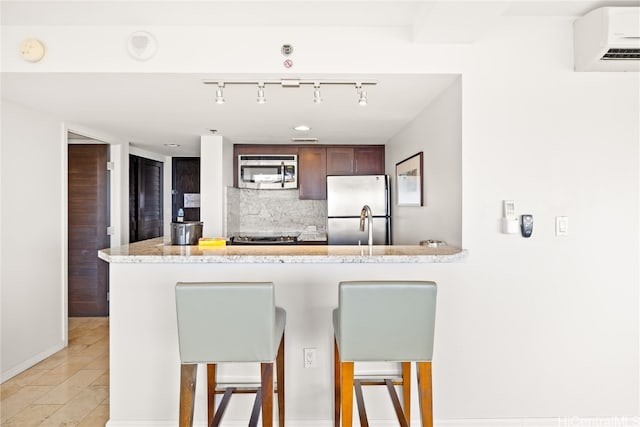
x,y
409,181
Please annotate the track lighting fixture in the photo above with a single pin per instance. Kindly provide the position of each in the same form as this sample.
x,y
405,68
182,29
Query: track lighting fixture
x,y
293,83
219,94
261,98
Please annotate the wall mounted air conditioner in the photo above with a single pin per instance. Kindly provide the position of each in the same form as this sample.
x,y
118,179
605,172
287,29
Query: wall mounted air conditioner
x,y
608,39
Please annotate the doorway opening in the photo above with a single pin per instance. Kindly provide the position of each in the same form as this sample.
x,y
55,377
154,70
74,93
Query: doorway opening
x,y
145,198
88,221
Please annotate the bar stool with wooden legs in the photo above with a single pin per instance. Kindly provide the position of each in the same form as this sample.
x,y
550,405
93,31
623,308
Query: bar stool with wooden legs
x,y
230,322
384,321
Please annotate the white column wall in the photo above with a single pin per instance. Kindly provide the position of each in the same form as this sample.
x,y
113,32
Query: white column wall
x,y
32,300
212,185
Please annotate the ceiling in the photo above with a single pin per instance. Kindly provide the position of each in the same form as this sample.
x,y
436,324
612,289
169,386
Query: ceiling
x,y
154,109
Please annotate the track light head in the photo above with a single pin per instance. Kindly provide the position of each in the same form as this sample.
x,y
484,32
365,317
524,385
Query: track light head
x,y
316,93
362,100
261,98
219,94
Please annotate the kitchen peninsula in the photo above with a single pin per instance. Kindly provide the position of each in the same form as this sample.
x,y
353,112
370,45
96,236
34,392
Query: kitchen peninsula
x,y
144,360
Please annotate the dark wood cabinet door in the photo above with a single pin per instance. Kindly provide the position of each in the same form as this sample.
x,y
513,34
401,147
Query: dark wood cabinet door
x,y
145,199
185,179
369,160
340,161
88,276
312,173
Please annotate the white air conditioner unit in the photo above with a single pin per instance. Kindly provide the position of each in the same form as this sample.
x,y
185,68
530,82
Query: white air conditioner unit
x,y
608,39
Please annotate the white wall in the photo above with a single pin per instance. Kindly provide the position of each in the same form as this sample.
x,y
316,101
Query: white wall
x,y
32,298
538,327
437,132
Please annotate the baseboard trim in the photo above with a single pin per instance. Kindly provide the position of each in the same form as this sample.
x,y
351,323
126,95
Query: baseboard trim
x,y
10,373
574,421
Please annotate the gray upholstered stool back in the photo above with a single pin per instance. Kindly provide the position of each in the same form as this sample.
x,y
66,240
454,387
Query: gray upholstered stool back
x,y
385,320
228,322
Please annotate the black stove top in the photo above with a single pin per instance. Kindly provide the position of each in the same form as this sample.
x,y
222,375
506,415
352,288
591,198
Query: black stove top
x,y
277,239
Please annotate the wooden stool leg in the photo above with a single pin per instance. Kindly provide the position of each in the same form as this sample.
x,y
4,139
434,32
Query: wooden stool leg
x,y
187,393
280,379
266,389
346,369
211,392
406,390
336,384
425,393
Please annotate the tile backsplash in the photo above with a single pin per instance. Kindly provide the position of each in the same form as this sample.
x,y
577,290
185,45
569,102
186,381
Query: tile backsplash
x,y
251,211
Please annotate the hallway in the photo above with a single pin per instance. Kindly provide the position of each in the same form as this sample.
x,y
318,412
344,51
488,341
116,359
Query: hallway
x,y
70,388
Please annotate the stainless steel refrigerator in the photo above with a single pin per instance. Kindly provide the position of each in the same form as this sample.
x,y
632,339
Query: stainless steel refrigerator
x,y
346,195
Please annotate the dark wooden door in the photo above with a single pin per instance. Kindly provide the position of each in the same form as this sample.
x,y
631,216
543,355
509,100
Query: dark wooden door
x,y
88,276
145,198
185,179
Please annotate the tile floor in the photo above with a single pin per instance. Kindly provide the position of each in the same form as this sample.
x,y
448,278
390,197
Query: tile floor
x,y
70,388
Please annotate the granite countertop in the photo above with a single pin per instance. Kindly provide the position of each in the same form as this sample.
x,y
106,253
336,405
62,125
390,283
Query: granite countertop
x,y
158,250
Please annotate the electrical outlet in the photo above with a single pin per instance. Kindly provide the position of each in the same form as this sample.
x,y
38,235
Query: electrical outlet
x,y
309,357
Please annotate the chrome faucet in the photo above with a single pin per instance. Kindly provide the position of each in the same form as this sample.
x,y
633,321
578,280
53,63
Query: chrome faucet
x,y
366,210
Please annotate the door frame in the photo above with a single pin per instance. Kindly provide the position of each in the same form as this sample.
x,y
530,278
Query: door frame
x,y
117,178
166,186
119,150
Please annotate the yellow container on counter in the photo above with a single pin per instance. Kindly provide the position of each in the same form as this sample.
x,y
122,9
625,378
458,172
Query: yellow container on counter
x,y
212,241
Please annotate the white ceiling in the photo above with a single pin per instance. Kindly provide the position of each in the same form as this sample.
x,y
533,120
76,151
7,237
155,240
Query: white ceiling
x,y
151,110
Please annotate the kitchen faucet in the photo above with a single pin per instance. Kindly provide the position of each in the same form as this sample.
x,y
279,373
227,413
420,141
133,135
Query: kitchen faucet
x,y
366,210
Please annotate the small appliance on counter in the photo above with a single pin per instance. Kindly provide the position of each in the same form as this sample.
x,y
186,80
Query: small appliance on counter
x,y
346,196
186,233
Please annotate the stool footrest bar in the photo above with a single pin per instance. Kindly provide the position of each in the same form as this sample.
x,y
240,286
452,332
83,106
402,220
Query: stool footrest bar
x,y
396,404
255,412
217,418
362,413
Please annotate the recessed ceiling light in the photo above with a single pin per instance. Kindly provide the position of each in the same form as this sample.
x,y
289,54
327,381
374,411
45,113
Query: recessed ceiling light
x,y
172,145
302,128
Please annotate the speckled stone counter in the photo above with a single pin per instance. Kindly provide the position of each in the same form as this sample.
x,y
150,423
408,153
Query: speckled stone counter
x,y
159,251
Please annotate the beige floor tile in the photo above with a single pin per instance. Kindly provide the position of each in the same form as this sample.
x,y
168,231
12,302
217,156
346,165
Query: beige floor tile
x,y
53,379
28,377
98,417
102,380
78,408
33,415
100,362
73,365
69,389
22,399
52,362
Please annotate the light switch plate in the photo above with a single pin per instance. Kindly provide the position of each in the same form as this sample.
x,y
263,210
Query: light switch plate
x,y
562,226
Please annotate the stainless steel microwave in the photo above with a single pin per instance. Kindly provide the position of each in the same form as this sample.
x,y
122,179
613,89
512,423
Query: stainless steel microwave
x,y
268,171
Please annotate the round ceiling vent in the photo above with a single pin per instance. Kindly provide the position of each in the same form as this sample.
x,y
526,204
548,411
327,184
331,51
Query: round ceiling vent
x,y
142,45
